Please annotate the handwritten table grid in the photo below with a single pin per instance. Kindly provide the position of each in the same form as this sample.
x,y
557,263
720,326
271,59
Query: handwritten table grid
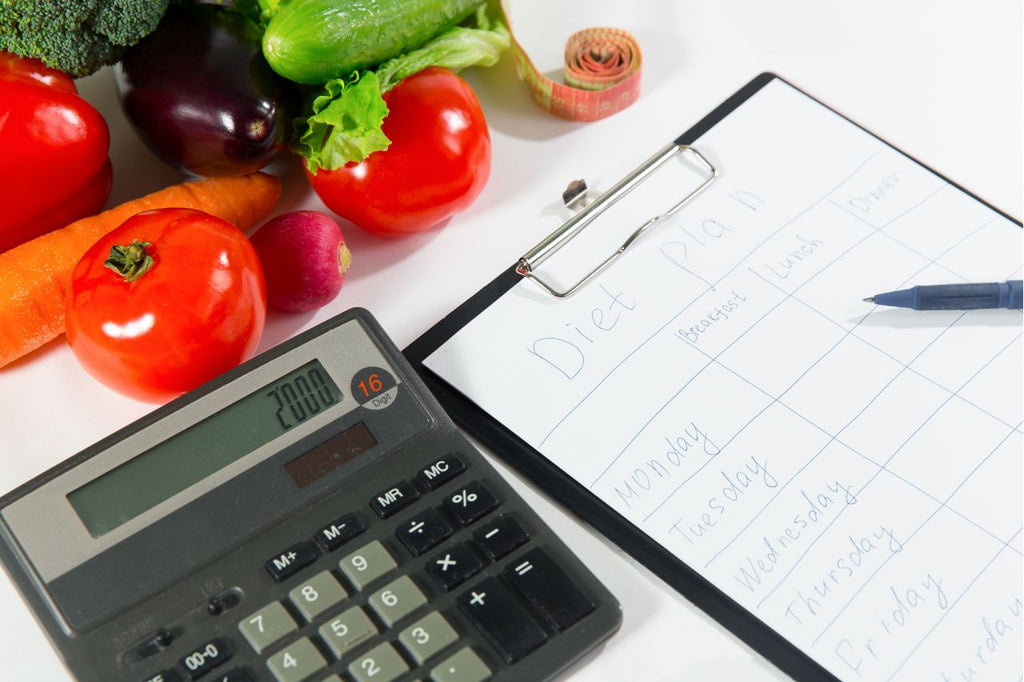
x,y
714,360
825,606
942,504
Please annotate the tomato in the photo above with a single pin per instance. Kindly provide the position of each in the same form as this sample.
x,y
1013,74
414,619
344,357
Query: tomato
x,y
438,161
196,312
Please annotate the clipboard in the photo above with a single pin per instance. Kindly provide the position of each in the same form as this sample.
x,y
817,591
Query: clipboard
x,y
555,482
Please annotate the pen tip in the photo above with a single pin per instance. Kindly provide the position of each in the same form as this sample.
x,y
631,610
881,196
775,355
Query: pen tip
x,y
869,299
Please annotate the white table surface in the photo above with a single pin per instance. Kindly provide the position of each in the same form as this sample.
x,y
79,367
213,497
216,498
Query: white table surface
x,y
940,79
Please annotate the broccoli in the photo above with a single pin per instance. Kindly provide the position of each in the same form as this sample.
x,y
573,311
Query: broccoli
x,y
76,36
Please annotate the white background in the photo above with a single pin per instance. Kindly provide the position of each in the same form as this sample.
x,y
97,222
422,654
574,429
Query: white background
x,y
940,79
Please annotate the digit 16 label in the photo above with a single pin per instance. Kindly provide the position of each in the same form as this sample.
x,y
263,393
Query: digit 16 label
x,y
374,387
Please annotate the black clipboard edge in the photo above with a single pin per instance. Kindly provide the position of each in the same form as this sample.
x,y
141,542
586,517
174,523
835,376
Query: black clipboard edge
x,y
579,501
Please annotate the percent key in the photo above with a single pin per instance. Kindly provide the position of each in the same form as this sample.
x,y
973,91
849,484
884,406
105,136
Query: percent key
x,y
470,502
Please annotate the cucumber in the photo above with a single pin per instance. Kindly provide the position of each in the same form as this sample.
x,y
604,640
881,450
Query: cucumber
x,y
314,41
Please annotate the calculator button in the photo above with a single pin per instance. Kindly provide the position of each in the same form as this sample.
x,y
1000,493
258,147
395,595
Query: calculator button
x,y
380,664
427,636
396,600
292,560
317,594
338,532
463,666
549,589
205,658
398,496
236,675
165,676
296,662
347,630
267,626
424,531
502,619
441,471
470,502
453,566
366,564
500,536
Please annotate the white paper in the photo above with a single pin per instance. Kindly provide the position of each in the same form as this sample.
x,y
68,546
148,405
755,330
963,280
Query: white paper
x,y
849,474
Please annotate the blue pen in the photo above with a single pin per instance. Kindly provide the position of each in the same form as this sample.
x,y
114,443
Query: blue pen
x,y
954,296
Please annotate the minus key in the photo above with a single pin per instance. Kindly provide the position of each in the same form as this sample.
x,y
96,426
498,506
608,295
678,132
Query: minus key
x,y
500,536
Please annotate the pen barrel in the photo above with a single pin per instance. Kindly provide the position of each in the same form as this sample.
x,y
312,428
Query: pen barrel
x,y
968,296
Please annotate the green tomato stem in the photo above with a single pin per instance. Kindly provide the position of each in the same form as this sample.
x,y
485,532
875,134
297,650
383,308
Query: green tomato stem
x,y
130,261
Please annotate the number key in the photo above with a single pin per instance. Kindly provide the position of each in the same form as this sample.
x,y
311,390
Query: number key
x,y
396,600
366,564
266,627
427,636
317,594
380,664
205,658
347,630
296,662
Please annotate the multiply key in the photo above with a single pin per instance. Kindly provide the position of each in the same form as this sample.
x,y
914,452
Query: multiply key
x,y
454,566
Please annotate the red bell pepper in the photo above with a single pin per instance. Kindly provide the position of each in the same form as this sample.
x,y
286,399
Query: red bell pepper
x,y
54,167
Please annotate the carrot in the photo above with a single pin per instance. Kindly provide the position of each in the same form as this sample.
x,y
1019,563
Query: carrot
x,y
36,276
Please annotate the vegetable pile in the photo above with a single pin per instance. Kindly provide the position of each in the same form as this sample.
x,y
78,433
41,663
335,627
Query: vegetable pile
x,y
164,292
359,50
36,276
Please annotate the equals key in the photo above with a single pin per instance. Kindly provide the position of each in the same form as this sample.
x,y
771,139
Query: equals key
x,y
549,588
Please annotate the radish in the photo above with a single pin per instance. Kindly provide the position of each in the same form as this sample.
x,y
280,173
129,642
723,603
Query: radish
x,y
304,260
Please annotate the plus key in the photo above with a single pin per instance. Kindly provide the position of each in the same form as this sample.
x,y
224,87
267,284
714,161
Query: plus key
x,y
502,619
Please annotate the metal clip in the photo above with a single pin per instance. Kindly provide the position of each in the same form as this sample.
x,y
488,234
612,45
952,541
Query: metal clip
x,y
560,237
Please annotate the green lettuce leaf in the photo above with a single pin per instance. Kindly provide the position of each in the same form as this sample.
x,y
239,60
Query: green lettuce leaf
x,y
344,123
455,49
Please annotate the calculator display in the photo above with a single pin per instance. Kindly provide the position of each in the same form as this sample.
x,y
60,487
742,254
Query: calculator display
x,y
204,448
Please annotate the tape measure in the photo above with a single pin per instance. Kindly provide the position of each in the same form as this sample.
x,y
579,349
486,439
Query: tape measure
x,y
601,71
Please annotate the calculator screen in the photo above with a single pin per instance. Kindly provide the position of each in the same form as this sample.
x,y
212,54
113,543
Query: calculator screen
x,y
191,455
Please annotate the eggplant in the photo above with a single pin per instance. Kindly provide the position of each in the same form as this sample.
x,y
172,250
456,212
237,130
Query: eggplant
x,y
201,96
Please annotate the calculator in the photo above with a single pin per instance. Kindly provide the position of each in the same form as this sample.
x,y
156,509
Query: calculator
x,y
312,515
